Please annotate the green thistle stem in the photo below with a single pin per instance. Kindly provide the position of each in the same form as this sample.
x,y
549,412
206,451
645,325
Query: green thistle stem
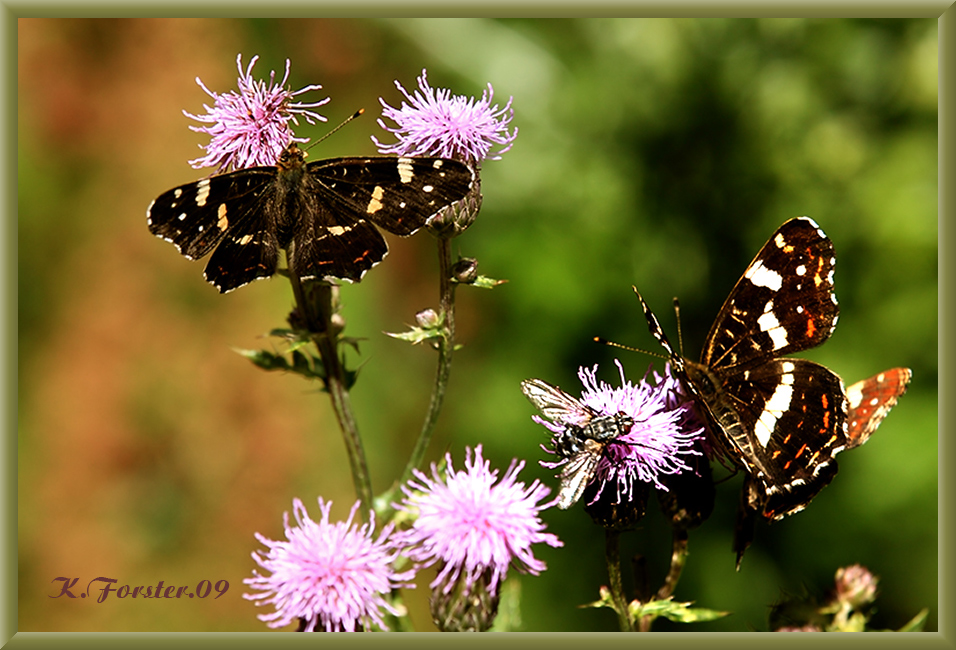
x,y
612,553
678,560
446,345
315,305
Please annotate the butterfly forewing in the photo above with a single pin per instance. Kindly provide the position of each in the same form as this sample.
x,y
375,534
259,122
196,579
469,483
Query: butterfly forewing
x,y
416,188
783,303
194,217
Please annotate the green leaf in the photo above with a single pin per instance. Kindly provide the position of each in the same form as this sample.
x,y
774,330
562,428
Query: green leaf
x,y
265,360
486,283
308,366
674,611
418,334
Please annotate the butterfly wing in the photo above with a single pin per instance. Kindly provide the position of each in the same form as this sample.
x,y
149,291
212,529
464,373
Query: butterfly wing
x,y
328,244
783,303
341,198
248,251
396,194
783,419
870,401
321,212
195,217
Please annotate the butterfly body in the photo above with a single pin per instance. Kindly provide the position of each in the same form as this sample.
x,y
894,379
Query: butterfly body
x,y
780,419
581,441
323,213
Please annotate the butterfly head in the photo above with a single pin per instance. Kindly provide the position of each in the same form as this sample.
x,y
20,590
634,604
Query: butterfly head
x,y
291,157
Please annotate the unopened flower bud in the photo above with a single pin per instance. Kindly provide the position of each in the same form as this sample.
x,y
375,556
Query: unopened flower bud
x,y
427,319
855,586
465,270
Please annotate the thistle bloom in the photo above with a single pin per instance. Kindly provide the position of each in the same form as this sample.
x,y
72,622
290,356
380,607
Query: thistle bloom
x,y
252,127
855,586
330,576
436,123
663,434
474,529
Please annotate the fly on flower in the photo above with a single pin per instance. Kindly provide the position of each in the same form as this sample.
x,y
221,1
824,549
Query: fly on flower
x,y
623,437
583,437
323,213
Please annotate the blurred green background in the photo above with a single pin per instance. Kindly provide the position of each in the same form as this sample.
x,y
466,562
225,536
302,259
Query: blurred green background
x,y
661,153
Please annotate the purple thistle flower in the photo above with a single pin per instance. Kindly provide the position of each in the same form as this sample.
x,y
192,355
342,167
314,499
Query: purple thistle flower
x,y
472,527
436,123
806,628
252,127
663,434
331,576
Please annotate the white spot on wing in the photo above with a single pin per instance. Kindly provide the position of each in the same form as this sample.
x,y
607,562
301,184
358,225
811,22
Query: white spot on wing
x,y
405,173
761,276
768,323
778,403
375,204
202,194
854,395
223,222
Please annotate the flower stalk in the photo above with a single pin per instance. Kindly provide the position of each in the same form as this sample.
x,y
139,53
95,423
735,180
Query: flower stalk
x,y
446,347
315,305
612,555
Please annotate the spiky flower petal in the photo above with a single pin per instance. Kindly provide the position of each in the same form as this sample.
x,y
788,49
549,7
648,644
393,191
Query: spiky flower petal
x,y
252,127
330,576
434,122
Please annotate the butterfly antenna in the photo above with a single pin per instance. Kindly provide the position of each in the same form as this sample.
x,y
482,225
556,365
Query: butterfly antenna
x,y
680,337
604,341
344,122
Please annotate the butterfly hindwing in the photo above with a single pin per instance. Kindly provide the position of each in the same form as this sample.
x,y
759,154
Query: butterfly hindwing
x,y
331,245
248,251
870,401
784,420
